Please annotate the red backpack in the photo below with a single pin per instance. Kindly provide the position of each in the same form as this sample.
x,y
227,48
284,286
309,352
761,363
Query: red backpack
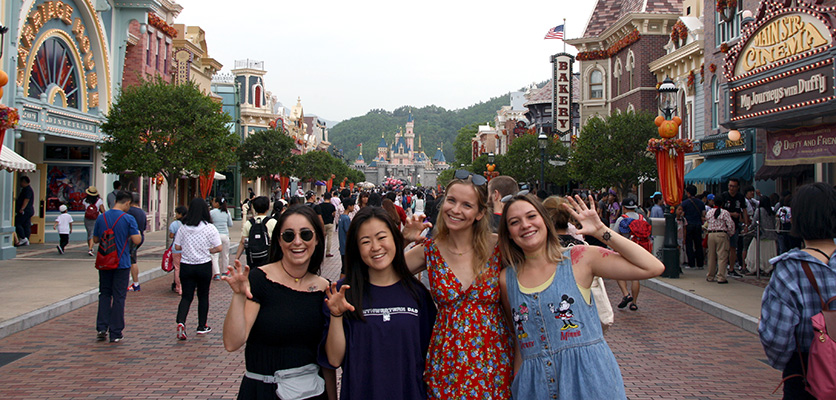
x,y
91,212
820,374
640,232
107,258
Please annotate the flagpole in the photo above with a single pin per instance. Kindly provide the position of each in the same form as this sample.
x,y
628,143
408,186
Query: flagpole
x,y
564,35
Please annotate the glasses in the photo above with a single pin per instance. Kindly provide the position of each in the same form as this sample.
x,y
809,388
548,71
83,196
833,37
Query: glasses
x,y
477,180
511,196
305,234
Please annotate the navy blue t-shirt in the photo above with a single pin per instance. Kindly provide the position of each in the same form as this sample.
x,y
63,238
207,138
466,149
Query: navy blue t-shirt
x,y
693,209
385,355
141,221
122,231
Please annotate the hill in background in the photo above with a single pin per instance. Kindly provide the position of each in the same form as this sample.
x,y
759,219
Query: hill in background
x,y
434,125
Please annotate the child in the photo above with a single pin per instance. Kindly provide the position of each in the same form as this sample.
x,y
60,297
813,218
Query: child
x,y
179,213
64,224
381,319
342,229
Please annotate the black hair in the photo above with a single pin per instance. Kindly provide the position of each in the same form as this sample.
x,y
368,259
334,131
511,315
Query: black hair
x,y
391,196
182,210
24,178
814,212
748,189
91,199
123,197
278,206
117,185
345,193
135,197
348,202
734,180
198,212
260,204
221,204
375,200
327,195
296,200
766,203
691,189
319,232
357,272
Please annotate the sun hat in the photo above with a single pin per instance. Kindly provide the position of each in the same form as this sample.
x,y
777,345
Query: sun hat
x,y
92,191
62,208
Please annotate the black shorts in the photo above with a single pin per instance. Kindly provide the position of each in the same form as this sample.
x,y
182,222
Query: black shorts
x,y
134,248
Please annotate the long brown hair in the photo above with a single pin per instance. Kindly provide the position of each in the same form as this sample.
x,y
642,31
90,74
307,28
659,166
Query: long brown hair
x,y
512,254
481,228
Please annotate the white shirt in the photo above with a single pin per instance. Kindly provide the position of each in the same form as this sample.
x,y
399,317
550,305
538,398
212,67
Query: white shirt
x,y
196,241
64,220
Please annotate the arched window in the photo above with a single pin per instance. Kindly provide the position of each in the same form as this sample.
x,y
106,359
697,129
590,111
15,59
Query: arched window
x,y
715,103
54,68
257,96
596,85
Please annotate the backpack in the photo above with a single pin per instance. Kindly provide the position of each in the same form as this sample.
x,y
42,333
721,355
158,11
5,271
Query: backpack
x,y
258,243
107,257
91,212
639,230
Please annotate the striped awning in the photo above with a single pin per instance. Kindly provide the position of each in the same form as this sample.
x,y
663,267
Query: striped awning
x,y
13,162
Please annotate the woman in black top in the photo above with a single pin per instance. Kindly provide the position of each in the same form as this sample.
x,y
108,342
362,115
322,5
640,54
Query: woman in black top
x,y
276,310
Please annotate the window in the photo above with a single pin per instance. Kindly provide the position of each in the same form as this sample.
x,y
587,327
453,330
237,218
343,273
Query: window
x,y
596,85
257,96
165,60
727,31
54,65
715,103
64,153
159,45
65,184
148,50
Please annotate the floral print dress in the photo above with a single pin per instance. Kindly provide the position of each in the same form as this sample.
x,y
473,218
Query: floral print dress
x,y
470,348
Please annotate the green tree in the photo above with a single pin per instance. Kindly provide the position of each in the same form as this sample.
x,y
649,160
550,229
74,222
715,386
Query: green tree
x,y
463,144
445,176
159,128
522,161
267,152
611,151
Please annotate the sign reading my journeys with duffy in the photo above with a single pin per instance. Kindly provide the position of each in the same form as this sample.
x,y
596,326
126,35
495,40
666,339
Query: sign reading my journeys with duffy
x,y
801,146
805,86
562,98
780,39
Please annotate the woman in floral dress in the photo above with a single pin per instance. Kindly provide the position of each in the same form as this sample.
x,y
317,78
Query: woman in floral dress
x,y
470,349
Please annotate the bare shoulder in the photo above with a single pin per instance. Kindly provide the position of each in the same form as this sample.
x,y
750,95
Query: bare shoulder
x,y
493,239
320,284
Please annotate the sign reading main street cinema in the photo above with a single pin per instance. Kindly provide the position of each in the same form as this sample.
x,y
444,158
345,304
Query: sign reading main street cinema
x,y
782,38
562,96
805,86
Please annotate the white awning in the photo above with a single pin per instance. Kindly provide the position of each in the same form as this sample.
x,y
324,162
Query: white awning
x,y
13,162
219,176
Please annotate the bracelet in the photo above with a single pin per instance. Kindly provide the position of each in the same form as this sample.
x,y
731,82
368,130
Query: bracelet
x,y
335,315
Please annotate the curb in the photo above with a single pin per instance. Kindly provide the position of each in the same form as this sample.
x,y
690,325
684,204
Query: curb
x,y
732,316
41,315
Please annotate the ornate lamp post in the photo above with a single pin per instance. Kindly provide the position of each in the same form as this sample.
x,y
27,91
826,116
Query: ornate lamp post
x,y
490,172
542,142
670,159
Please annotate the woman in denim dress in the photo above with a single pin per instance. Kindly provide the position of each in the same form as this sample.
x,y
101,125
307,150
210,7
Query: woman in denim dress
x,y
560,348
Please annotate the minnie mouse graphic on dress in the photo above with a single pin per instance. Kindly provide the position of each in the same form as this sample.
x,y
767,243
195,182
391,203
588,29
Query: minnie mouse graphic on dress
x,y
564,313
519,318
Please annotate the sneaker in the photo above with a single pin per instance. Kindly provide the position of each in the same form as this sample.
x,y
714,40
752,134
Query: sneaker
x,y
217,277
173,287
116,340
735,274
181,331
90,253
134,287
204,330
23,242
60,250
101,336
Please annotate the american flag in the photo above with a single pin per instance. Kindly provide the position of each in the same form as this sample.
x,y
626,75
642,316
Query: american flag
x,y
555,33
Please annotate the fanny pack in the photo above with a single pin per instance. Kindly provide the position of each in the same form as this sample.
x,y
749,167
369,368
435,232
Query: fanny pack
x,y
294,383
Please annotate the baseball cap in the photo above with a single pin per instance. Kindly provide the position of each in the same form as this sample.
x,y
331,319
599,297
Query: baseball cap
x,y
656,194
710,197
629,203
62,208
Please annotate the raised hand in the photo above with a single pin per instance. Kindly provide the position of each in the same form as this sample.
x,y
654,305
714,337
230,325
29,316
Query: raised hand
x,y
413,228
335,299
587,216
238,279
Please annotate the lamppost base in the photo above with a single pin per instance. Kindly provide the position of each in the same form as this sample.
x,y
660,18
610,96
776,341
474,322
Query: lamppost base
x,y
670,257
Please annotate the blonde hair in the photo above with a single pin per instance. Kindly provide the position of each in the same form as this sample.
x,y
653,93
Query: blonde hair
x,y
511,253
481,228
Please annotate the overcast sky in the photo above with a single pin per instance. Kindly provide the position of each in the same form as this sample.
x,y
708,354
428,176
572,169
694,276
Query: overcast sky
x,y
344,58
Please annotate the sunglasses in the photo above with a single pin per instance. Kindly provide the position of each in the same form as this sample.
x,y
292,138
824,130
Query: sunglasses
x,y
477,180
511,196
305,234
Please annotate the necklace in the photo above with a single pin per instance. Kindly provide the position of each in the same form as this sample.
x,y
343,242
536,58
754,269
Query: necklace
x,y
295,279
461,253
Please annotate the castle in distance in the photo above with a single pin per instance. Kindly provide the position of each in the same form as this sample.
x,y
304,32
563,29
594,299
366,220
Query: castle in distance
x,y
403,161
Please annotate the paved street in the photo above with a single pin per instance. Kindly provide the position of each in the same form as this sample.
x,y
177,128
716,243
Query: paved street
x,y
666,350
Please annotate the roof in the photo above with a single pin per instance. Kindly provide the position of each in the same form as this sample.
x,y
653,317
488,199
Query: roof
x,y
439,156
360,158
373,164
382,143
410,117
542,95
607,12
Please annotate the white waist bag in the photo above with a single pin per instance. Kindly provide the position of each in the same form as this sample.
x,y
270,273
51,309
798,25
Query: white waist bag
x,y
294,383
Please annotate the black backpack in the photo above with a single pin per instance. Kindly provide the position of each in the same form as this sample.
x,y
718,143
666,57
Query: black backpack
x,y
258,243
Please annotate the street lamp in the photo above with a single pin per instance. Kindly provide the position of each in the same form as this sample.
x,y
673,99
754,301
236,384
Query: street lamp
x,y
490,169
542,142
670,253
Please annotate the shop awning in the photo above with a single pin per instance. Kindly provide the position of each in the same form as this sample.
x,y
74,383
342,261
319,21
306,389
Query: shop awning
x,y
219,176
768,172
720,169
13,162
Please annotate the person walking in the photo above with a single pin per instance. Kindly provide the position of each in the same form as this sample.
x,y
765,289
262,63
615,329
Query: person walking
x,y
222,221
694,210
790,299
763,220
93,207
179,213
113,283
197,239
735,203
25,210
720,228
111,197
142,224
64,225
629,297
327,212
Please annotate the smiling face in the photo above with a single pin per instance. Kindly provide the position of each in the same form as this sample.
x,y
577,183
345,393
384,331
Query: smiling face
x,y
461,207
526,227
298,252
376,245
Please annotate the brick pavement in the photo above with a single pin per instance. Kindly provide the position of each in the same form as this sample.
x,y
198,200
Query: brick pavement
x,y
666,350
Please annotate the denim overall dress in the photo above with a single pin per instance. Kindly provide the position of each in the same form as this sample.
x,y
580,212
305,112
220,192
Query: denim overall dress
x,y
564,354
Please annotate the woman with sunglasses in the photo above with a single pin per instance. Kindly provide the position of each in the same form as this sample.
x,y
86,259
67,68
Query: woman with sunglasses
x,y
276,309
560,347
470,348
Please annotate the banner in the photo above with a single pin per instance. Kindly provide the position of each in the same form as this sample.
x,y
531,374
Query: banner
x,y
206,180
799,146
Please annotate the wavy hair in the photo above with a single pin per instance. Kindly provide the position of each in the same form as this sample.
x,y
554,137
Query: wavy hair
x,y
512,254
319,232
481,228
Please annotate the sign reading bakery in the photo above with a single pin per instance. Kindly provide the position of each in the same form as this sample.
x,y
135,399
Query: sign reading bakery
x,y
807,145
562,98
60,54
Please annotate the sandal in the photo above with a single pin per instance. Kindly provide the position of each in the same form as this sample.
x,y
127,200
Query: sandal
x,y
633,306
707,279
624,301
